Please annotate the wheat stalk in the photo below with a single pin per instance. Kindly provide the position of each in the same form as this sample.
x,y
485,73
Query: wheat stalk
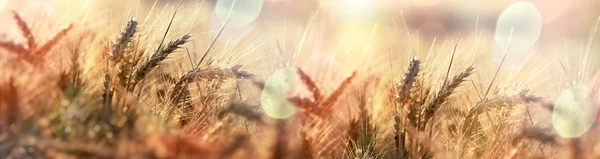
x,y
32,52
159,56
48,46
25,31
308,82
482,106
180,94
338,92
444,93
19,50
123,41
409,79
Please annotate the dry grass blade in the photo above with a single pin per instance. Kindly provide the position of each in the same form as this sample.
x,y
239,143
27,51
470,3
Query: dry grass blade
x,y
445,92
338,92
123,40
160,46
25,31
48,46
496,73
311,85
159,56
213,42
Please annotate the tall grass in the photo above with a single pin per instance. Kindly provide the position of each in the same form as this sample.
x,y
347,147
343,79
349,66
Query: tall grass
x,y
131,103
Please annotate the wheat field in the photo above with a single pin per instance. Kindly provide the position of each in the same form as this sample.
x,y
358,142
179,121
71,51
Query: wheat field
x,y
299,79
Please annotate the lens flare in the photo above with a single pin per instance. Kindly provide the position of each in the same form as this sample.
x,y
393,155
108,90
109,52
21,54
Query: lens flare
x,y
518,28
274,96
229,34
574,112
243,13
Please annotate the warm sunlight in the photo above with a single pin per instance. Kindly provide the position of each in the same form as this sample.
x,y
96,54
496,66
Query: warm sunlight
x,y
300,79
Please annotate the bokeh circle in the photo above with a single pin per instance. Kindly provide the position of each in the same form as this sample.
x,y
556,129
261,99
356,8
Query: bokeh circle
x,y
574,112
274,95
518,28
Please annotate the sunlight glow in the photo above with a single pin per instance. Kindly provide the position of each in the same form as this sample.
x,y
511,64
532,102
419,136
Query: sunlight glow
x,y
551,9
323,68
425,2
39,10
274,95
574,112
356,10
3,5
40,14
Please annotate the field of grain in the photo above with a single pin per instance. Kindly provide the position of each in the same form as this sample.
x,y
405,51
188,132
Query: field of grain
x,y
299,79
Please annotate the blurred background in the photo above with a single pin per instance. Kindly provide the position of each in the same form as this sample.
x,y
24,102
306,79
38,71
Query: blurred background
x,y
358,34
